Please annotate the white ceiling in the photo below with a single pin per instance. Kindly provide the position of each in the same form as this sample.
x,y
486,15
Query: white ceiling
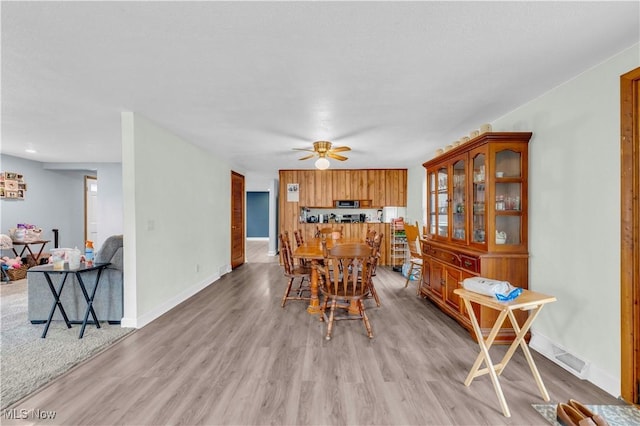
x,y
252,80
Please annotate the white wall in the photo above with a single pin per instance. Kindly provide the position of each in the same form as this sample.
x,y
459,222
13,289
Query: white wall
x,y
416,195
54,199
574,214
176,219
110,218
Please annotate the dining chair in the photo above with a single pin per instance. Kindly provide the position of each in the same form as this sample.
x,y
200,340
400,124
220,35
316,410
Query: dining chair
x,y
415,254
375,253
344,281
293,272
300,241
328,231
370,235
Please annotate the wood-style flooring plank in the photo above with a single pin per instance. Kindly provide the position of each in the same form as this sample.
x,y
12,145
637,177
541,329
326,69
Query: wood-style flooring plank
x,y
231,355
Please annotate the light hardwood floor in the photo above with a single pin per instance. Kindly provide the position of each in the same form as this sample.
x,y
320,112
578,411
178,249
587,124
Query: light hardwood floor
x,y
231,355
257,251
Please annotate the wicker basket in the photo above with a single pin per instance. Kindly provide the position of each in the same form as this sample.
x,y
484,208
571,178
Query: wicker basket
x,y
17,274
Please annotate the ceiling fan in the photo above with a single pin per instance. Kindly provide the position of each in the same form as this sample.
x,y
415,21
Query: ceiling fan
x,y
322,150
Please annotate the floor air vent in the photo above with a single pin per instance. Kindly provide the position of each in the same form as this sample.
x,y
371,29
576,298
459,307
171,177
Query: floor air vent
x,y
570,361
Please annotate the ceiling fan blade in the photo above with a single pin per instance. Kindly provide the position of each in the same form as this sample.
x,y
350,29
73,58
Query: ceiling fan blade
x,y
303,149
306,157
336,156
340,149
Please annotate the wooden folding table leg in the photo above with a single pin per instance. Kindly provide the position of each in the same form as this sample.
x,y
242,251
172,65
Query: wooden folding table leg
x,y
521,333
484,355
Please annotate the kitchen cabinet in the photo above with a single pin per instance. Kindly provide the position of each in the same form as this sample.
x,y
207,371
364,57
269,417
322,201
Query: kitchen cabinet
x,y
388,188
323,191
374,188
320,188
315,188
477,204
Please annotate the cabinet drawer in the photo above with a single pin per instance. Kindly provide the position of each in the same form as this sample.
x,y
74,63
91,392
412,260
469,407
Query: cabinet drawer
x,y
469,263
445,256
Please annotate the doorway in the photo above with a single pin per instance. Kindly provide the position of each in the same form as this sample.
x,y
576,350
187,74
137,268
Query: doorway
x,y
90,208
630,235
237,220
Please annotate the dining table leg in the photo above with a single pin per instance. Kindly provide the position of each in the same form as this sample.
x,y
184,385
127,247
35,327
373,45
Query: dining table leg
x,y
314,303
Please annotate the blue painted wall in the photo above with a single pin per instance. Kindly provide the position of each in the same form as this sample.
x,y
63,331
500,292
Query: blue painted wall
x,y
257,214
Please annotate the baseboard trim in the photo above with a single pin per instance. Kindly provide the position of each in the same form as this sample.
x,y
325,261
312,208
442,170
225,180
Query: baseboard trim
x,y
165,307
590,372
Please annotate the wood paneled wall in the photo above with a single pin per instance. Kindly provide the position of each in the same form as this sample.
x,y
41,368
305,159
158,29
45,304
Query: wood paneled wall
x,y
320,188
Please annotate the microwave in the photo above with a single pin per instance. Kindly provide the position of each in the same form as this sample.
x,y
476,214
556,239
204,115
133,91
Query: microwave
x,y
347,204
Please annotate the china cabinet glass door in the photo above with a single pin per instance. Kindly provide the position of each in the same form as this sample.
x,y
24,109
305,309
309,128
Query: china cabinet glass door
x,y
433,210
478,221
508,194
458,207
442,203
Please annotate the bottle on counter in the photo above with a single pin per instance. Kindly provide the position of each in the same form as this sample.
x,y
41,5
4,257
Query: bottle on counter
x,y
88,253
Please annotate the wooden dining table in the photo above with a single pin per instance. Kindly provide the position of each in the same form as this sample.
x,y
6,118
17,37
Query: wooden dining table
x,y
312,251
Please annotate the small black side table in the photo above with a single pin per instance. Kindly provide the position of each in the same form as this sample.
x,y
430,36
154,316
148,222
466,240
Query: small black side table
x,y
47,270
26,246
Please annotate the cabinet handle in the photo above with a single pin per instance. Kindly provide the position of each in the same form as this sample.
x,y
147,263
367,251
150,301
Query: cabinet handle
x,y
467,263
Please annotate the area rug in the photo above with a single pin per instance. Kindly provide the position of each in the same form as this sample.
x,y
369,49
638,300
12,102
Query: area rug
x,y
28,361
615,415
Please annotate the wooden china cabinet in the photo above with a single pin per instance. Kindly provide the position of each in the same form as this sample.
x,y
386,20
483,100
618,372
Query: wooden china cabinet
x,y
477,222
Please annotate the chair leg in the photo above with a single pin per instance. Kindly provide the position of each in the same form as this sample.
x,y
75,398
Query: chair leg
x,y
365,319
409,271
323,308
412,267
330,323
374,293
301,288
286,293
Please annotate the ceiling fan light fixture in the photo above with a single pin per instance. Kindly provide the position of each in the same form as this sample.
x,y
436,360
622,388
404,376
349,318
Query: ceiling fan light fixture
x,y
322,163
